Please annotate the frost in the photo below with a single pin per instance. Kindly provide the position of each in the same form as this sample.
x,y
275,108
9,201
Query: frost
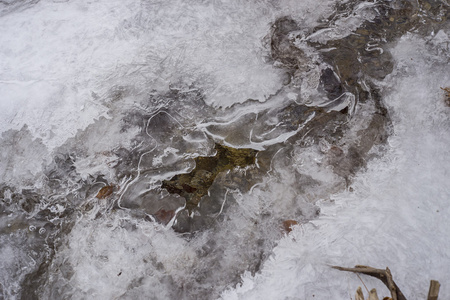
x,y
22,156
128,94
396,214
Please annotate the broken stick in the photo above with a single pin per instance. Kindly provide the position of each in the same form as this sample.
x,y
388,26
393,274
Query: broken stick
x,y
433,293
384,275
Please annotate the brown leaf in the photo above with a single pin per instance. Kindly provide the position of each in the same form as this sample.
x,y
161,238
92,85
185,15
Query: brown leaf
x,y
287,225
105,191
164,216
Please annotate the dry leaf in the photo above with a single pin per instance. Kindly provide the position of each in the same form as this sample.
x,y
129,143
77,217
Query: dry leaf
x,y
287,225
105,191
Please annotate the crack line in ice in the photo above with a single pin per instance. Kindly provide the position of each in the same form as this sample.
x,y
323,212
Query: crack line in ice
x,y
135,179
281,138
223,203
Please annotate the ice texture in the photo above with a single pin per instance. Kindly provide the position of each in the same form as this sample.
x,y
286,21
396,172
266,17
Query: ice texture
x,y
396,213
125,94
62,60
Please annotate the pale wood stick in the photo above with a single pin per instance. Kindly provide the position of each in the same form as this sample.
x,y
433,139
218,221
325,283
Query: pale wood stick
x,y
433,293
384,275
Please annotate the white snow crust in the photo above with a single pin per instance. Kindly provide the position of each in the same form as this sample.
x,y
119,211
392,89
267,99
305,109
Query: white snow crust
x,y
397,215
62,60
63,65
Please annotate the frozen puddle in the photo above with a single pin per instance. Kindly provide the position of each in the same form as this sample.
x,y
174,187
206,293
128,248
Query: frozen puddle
x,y
154,150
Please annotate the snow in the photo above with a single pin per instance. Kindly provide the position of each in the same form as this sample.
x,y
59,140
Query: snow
x,y
397,215
61,61
69,66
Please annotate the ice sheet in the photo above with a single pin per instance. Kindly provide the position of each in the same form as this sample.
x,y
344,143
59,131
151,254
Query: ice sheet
x,y
88,78
397,213
61,61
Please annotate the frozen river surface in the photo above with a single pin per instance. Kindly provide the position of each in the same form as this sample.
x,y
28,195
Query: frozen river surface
x,y
160,149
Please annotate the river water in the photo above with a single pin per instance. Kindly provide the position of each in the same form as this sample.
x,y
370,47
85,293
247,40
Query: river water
x,y
222,149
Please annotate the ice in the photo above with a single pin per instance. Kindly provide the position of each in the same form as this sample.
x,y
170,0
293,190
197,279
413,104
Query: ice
x,y
22,156
396,215
347,23
127,93
110,258
125,256
69,55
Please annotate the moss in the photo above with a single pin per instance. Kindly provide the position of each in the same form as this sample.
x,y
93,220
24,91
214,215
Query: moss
x,y
194,185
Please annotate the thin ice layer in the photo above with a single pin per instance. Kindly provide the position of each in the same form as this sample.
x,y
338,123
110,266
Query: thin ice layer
x,y
62,61
103,236
396,214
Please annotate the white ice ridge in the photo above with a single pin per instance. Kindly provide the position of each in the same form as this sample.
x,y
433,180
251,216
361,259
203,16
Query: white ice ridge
x,y
398,214
346,25
268,142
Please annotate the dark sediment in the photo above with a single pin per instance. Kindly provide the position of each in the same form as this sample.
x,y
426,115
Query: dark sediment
x,y
194,185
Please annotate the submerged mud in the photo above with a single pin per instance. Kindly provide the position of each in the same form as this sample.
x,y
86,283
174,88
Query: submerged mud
x,y
194,185
227,179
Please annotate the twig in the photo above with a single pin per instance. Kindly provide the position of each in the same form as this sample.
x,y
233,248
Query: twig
x,y
433,293
384,275
362,282
391,284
